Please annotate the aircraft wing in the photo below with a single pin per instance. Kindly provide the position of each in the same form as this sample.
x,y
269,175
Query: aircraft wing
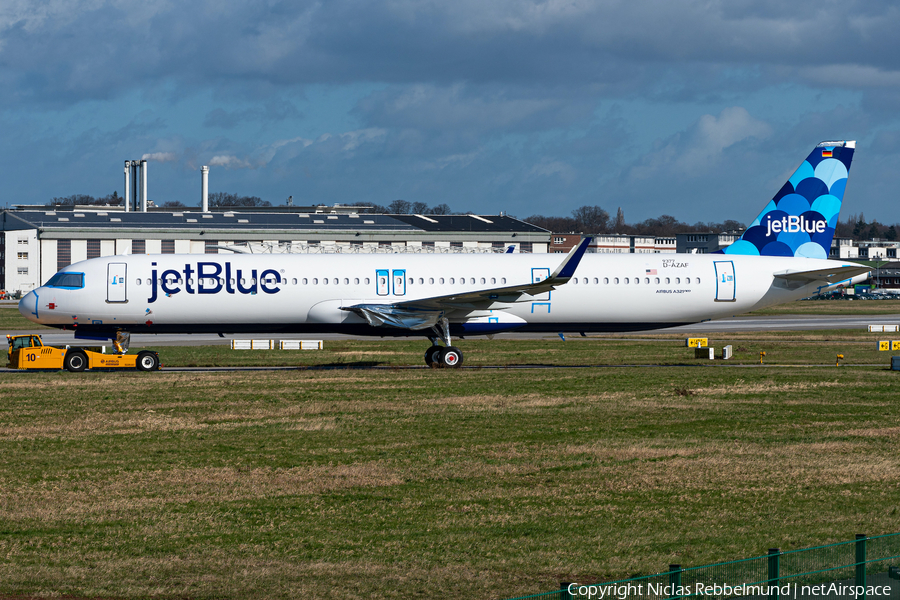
x,y
831,276
423,313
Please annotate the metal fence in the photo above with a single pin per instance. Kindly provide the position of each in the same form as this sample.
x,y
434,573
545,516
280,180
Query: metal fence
x,y
778,575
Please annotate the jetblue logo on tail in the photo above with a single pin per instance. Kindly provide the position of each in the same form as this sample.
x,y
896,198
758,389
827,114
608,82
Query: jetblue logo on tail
x,y
795,224
800,219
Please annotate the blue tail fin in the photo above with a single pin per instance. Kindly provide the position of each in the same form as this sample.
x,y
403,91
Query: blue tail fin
x,y
800,219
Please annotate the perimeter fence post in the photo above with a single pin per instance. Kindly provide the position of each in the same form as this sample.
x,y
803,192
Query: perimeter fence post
x,y
564,590
774,554
861,563
675,581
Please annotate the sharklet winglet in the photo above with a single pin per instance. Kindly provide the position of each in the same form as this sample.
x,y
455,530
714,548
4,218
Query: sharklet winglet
x,y
567,268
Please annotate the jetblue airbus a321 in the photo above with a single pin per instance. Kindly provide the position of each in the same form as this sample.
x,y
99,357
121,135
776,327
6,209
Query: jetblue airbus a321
x,y
782,256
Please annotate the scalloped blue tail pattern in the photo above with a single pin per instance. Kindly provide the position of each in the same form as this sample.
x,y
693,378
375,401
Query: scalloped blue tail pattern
x,y
800,219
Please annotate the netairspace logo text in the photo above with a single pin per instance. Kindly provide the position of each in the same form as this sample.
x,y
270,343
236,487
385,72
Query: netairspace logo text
x,y
790,590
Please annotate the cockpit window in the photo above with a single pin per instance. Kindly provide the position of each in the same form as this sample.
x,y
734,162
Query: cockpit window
x,y
69,281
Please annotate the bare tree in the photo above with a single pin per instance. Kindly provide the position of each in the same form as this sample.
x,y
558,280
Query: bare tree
x,y
619,225
399,207
441,209
591,219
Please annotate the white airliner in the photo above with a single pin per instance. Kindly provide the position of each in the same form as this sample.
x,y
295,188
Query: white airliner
x,y
781,257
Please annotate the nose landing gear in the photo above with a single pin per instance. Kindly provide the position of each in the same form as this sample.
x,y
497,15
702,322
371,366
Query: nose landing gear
x,y
446,356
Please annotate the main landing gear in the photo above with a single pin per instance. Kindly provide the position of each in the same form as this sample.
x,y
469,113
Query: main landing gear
x,y
445,356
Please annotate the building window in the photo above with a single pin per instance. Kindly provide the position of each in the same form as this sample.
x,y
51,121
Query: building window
x,y
23,270
93,248
63,254
212,247
139,246
168,246
559,240
23,241
23,255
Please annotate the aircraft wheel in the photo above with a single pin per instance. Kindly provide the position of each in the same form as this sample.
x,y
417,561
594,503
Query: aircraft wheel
x,y
433,356
451,357
147,361
75,361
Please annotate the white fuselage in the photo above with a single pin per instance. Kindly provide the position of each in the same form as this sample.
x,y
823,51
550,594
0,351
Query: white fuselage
x,y
302,292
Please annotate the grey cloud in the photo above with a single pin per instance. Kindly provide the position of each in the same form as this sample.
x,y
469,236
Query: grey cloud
x,y
96,52
271,112
482,108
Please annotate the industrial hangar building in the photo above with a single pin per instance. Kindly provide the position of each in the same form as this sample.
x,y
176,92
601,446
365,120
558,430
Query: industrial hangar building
x,y
35,244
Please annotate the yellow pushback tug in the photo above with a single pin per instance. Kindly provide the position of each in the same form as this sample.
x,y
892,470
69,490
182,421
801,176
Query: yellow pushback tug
x,y
29,352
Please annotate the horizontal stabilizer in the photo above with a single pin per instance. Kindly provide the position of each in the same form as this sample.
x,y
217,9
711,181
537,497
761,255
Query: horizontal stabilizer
x,y
830,276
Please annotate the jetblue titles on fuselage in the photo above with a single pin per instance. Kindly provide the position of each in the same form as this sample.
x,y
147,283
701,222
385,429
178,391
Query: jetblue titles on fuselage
x,y
212,278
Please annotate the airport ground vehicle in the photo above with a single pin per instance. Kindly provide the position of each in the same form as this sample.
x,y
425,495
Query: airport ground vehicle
x,y
29,352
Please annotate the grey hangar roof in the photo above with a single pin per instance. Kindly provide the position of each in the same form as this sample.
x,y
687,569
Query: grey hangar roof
x,y
99,223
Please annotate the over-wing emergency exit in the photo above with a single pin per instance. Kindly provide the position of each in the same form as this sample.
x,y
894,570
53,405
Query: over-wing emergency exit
x,y
782,256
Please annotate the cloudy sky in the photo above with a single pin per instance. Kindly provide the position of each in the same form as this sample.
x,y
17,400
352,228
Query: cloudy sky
x,y
698,109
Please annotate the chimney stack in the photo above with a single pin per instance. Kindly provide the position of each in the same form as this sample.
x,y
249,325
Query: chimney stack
x,y
143,185
127,186
204,188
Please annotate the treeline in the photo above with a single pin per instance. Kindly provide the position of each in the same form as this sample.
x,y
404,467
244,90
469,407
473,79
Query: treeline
x,y
403,207
857,228
593,219
113,199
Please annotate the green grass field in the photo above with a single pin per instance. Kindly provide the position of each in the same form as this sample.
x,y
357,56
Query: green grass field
x,y
480,483
429,483
815,348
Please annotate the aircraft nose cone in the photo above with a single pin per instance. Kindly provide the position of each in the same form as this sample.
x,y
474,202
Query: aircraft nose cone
x,y
28,306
